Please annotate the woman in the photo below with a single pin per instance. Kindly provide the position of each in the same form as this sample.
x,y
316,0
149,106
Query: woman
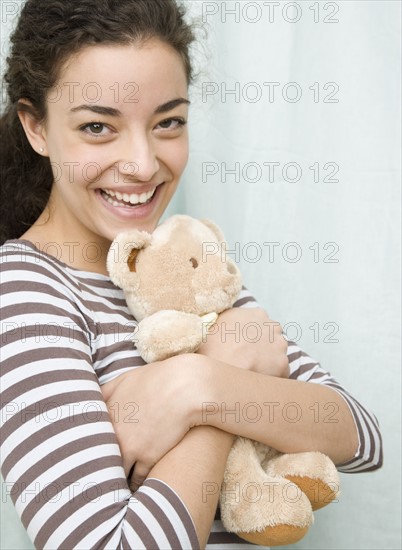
x,y
94,141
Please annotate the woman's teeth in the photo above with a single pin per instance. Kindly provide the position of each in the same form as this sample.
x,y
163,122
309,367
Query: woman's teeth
x,y
125,199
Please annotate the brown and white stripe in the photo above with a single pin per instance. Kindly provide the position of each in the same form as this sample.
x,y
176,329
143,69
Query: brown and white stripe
x,y
369,454
60,458
63,333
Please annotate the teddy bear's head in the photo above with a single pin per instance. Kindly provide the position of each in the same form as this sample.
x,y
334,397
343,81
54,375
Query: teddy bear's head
x,y
182,265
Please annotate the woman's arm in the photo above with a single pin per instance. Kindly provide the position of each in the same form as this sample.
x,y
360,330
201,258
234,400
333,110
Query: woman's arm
x,y
311,408
307,412
200,457
288,415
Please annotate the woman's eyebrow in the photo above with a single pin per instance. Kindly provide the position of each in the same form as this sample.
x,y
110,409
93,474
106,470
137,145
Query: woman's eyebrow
x,y
171,105
111,111
98,109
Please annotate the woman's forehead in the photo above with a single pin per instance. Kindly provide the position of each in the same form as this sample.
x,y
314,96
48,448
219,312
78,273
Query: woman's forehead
x,y
121,74
152,59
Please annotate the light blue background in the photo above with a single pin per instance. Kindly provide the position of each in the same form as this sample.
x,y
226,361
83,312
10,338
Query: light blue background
x,y
360,213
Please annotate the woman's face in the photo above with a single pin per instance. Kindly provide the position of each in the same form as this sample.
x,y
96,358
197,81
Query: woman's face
x,y
117,139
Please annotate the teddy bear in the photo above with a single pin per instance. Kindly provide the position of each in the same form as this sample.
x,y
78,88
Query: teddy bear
x,y
176,282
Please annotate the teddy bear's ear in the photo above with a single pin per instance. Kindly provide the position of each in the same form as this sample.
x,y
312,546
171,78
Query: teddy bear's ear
x,y
122,256
215,230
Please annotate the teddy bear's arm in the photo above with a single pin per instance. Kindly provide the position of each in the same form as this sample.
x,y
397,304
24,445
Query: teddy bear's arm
x,y
167,333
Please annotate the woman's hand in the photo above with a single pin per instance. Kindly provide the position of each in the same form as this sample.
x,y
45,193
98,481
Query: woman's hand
x,y
151,409
249,339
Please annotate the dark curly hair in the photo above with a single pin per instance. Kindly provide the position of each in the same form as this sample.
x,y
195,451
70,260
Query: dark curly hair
x,y
47,34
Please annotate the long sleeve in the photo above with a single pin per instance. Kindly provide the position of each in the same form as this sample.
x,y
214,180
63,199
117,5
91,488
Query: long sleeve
x,y
369,455
59,454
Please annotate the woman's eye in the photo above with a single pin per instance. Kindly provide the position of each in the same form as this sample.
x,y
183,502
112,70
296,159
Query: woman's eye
x,y
94,129
172,123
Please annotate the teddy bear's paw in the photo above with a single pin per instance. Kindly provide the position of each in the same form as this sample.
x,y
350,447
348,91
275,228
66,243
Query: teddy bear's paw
x,y
265,510
167,333
313,472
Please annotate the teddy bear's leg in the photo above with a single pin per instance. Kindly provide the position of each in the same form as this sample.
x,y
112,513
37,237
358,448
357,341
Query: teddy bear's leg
x,y
314,473
262,509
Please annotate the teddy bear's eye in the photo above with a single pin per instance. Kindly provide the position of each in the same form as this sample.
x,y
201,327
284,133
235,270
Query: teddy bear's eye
x,y
194,263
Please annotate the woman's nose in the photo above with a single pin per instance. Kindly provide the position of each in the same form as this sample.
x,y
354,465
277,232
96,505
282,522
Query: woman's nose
x,y
140,163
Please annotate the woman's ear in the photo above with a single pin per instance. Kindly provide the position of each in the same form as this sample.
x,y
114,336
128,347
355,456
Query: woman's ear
x,y
34,129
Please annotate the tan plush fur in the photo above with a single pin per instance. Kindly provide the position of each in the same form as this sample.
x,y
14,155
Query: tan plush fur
x,y
171,279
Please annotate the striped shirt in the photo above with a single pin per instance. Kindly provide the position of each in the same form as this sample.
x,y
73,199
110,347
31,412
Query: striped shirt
x,y
64,332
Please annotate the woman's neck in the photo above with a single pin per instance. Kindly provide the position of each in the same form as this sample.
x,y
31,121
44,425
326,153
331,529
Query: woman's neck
x,y
84,254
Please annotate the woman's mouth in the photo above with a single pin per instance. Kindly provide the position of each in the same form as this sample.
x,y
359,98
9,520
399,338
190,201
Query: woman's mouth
x,y
125,200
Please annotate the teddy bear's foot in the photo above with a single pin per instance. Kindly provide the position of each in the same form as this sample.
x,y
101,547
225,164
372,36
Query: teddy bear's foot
x,y
314,473
269,512
262,509
279,535
317,491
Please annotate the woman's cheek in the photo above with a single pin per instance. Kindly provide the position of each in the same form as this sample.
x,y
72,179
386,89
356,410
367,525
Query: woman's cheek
x,y
181,154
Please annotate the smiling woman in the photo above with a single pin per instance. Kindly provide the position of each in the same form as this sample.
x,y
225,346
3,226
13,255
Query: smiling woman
x,y
94,141
117,162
